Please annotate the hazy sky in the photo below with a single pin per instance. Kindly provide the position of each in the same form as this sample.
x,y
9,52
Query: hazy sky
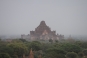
x,y
67,17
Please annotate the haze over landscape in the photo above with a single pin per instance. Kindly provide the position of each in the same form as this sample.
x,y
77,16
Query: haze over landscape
x,y
67,17
43,28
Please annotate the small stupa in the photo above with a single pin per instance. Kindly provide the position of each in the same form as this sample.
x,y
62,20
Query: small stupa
x,y
31,55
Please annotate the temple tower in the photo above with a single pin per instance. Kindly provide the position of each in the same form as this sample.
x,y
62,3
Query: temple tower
x,y
31,55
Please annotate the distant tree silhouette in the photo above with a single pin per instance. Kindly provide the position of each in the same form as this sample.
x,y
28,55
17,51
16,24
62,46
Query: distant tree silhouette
x,y
23,40
50,40
56,41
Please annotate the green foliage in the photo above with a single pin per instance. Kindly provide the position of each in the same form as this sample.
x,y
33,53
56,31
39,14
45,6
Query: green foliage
x,y
4,55
85,52
50,40
35,45
84,45
71,55
70,47
55,53
0,39
19,48
80,54
45,46
15,56
58,51
81,44
56,41
23,40
5,49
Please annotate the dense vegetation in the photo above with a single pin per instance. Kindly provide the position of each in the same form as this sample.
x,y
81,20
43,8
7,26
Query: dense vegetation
x,y
18,48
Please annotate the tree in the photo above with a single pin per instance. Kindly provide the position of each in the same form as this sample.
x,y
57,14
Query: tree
x,y
79,43
19,48
50,40
0,39
23,40
35,45
15,56
4,55
85,52
56,41
55,53
71,55
84,45
80,55
4,48
45,46
71,47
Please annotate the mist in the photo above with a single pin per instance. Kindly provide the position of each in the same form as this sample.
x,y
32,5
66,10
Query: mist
x,y
67,17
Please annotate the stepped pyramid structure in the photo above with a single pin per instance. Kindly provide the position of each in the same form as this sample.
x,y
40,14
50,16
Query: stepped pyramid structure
x,y
43,32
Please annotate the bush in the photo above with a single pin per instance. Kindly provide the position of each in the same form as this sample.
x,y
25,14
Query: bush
x,y
80,54
71,55
4,55
85,52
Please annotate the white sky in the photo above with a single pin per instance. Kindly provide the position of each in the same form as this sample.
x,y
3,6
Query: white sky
x,y
67,17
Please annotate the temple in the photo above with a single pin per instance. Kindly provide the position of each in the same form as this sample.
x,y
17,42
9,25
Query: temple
x,y
42,32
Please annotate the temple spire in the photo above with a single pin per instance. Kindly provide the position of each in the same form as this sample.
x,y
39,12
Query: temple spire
x,y
31,54
42,23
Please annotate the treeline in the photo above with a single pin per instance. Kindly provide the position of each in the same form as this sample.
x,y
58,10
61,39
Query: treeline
x,y
19,48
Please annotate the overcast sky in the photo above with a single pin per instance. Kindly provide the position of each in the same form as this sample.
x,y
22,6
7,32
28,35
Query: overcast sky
x,y
67,17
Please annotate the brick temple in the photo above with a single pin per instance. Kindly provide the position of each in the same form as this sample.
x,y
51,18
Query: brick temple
x,y
42,32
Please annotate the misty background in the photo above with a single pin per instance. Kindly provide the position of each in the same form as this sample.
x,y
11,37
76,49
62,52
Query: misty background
x,y
67,17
